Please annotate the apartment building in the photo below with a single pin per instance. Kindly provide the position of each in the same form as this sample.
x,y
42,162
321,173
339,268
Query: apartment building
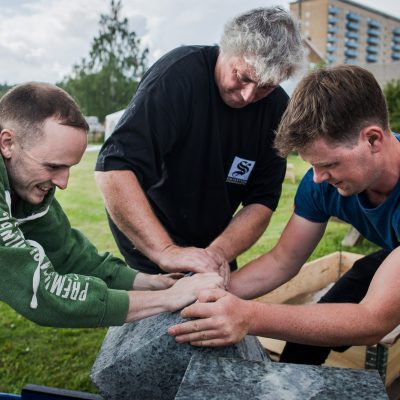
x,y
344,31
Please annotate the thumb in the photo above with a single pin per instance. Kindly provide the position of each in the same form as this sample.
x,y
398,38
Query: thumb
x,y
211,295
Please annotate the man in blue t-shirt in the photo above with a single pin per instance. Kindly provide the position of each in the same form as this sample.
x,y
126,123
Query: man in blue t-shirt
x,y
337,120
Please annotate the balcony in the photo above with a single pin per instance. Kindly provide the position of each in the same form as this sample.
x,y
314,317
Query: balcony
x,y
352,35
350,53
330,58
332,20
353,17
331,39
395,56
373,40
373,32
331,49
332,29
351,44
373,23
396,39
396,31
333,10
396,47
353,26
371,58
372,49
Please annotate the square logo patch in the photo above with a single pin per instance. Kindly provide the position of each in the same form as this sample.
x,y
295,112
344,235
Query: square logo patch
x,y
240,171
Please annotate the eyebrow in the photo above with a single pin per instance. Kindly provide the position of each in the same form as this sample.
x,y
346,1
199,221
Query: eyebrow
x,y
246,78
47,164
324,164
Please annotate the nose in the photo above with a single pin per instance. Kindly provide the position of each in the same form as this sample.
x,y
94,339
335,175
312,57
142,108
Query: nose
x,y
248,92
60,179
319,175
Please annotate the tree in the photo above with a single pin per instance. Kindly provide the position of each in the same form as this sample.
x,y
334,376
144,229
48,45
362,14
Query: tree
x,y
4,87
392,94
107,80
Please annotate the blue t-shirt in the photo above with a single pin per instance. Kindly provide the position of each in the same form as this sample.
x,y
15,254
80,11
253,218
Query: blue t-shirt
x,y
319,201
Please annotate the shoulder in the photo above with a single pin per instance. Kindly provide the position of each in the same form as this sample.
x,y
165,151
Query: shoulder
x,y
185,61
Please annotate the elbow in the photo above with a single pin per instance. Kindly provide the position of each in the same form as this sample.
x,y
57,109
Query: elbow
x,y
99,178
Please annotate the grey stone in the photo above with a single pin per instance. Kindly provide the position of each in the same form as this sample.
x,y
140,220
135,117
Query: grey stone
x,y
141,361
219,378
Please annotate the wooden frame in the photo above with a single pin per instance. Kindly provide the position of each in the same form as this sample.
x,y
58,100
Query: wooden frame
x,y
314,277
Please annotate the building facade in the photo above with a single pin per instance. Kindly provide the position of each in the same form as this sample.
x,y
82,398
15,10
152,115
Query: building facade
x,y
344,31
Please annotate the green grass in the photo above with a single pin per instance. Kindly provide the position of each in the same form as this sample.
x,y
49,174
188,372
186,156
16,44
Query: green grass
x,y
63,357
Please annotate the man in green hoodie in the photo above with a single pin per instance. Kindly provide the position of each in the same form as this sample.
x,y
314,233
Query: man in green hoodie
x,y
50,272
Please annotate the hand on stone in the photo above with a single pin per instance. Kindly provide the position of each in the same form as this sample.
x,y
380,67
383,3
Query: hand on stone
x,y
187,259
223,320
155,282
186,290
224,269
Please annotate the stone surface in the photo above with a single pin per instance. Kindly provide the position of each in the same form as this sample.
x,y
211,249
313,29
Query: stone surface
x,y
141,361
219,378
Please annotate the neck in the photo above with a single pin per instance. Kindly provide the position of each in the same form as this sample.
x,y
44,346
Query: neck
x,y
390,173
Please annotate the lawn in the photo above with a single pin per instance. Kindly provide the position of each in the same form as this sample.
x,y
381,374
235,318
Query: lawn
x,y
63,357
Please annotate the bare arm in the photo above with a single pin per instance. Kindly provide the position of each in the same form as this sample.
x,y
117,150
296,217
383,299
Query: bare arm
x,y
242,232
143,304
229,318
130,210
282,263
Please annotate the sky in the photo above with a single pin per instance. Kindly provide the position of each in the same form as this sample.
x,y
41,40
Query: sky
x,y
40,40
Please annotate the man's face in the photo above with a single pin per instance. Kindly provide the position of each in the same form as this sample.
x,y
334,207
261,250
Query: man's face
x,y
350,170
237,82
34,170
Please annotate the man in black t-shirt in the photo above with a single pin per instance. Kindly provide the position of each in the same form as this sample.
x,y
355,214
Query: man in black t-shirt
x,y
196,142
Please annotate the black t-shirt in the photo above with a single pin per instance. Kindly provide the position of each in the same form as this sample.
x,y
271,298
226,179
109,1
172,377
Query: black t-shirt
x,y
196,158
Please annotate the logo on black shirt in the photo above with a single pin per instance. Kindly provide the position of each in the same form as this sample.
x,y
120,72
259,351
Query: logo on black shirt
x,y
240,171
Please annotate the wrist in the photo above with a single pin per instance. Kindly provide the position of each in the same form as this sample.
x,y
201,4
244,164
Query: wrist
x,y
218,249
249,312
143,281
159,257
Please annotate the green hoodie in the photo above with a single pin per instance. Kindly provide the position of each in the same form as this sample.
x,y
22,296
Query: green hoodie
x,y
50,273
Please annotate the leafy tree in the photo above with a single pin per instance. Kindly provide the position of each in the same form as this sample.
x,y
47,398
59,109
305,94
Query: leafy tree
x,y
4,87
105,82
392,94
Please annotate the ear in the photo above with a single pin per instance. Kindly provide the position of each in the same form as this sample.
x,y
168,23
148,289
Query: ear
x,y
7,142
374,136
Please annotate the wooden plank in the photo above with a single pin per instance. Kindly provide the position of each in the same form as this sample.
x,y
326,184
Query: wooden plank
x,y
313,277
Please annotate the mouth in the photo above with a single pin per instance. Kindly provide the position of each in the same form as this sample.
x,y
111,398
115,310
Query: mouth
x,y
43,189
336,184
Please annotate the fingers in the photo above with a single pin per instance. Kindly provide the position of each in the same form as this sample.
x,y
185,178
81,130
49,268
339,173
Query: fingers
x,y
189,330
188,259
197,310
175,275
196,333
211,295
225,272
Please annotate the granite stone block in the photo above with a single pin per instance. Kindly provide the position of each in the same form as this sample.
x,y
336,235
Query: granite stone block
x,y
141,361
220,378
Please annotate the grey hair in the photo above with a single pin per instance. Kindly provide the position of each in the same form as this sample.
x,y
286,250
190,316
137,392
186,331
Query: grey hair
x,y
269,39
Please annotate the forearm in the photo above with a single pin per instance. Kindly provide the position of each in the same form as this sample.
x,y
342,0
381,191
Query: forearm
x,y
261,276
243,231
131,212
316,324
282,263
143,304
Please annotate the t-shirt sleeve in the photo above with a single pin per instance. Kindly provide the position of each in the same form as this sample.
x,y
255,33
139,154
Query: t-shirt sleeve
x,y
265,183
148,130
309,200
